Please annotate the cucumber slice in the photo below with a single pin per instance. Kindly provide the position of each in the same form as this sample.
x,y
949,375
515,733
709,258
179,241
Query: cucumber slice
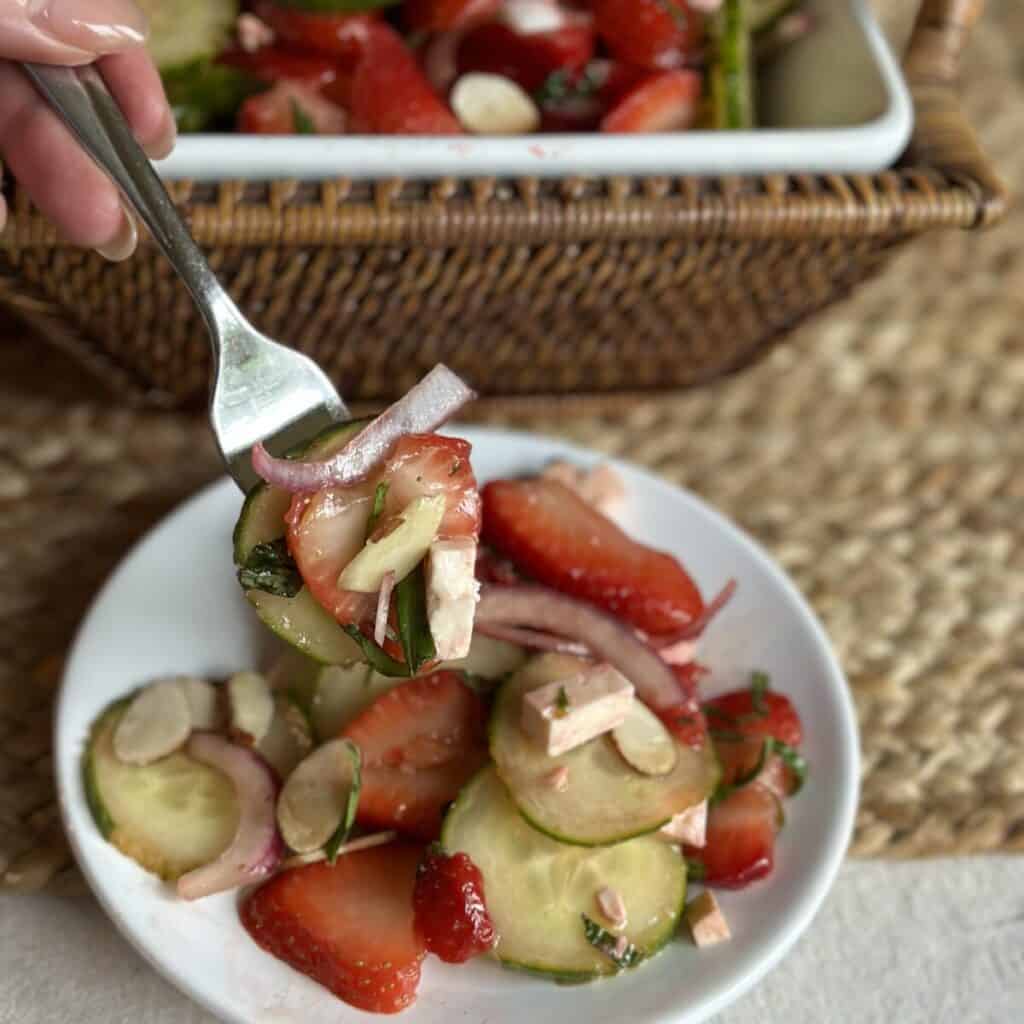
x,y
299,620
169,816
538,889
289,738
184,30
604,800
262,516
732,72
489,658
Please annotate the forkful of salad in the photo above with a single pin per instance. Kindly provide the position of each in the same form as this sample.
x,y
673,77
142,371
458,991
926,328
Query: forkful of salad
x,y
264,398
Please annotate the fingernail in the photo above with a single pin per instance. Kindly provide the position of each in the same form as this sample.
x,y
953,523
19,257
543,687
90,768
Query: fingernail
x,y
123,244
101,26
164,144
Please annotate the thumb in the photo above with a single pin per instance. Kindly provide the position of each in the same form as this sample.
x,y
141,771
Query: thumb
x,y
68,31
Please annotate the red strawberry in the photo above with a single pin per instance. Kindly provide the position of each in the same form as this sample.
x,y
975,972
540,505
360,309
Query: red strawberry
x,y
528,58
451,914
648,33
554,536
421,742
664,102
740,844
349,927
391,95
773,715
272,64
340,35
427,465
445,15
288,109
686,720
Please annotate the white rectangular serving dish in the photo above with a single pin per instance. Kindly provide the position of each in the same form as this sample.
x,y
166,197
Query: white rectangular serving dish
x,y
833,102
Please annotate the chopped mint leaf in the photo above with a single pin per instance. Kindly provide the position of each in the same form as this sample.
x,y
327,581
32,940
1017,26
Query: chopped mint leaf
x,y
270,567
303,122
344,830
759,683
695,870
794,761
377,657
562,703
379,497
413,628
622,955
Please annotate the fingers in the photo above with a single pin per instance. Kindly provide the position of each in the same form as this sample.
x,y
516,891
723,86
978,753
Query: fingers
x,y
135,83
62,181
68,31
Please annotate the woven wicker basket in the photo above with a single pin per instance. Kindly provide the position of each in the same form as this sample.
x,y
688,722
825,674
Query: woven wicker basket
x,y
572,287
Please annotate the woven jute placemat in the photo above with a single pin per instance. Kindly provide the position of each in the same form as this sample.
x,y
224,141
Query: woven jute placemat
x,y
879,455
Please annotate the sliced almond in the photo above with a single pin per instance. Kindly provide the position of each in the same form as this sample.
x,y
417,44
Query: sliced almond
x,y
317,796
250,707
289,738
157,723
204,703
644,743
488,104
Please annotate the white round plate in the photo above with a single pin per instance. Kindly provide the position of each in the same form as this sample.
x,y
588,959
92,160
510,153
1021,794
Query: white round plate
x,y
174,606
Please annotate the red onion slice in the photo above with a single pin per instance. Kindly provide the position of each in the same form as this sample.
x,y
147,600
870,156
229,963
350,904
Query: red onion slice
x,y
256,849
606,638
380,625
421,410
695,627
533,639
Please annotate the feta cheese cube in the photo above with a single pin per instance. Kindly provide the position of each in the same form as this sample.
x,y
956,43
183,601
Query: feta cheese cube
x,y
689,826
452,594
568,712
706,920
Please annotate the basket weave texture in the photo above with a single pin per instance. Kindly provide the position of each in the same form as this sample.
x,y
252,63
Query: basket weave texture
x,y
525,287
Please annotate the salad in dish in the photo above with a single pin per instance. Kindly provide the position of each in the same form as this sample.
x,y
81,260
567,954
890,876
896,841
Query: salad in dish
x,y
483,67
484,734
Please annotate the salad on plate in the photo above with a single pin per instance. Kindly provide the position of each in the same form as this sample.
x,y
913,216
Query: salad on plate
x,y
484,734
483,67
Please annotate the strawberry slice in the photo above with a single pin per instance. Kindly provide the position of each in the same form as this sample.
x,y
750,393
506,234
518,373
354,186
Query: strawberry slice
x,y
349,927
446,15
420,742
685,720
391,95
664,102
740,844
289,108
450,910
429,465
648,33
766,714
528,58
346,36
272,64
554,536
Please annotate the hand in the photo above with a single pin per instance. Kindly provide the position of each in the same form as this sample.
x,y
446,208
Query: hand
x,y
36,147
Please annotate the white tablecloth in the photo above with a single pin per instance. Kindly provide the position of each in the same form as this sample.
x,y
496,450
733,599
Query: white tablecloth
x,y
925,942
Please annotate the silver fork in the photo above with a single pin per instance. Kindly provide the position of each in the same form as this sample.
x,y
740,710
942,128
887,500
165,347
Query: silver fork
x,y
260,390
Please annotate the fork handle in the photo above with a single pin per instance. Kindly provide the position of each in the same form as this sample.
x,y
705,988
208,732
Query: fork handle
x,y
81,98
